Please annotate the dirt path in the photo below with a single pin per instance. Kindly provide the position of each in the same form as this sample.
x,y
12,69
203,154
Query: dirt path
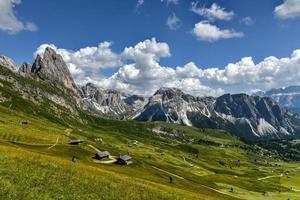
x,y
180,177
94,148
111,160
54,143
267,177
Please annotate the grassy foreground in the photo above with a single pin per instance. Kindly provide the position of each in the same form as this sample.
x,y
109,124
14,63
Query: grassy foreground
x,y
35,162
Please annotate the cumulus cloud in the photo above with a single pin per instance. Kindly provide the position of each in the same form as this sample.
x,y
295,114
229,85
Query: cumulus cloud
x,y
242,76
212,13
288,9
173,22
143,74
8,20
205,31
269,73
248,21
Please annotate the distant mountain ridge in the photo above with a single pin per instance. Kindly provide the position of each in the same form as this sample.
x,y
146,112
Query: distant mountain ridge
x,y
288,97
109,102
242,115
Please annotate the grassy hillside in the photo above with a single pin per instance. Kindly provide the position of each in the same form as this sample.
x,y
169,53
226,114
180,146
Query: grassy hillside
x,y
36,162
35,158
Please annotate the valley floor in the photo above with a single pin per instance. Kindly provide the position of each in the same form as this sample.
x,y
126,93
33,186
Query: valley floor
x,y
35,162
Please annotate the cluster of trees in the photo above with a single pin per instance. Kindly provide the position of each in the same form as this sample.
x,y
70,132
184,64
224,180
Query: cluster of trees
x,y
207,142
286,150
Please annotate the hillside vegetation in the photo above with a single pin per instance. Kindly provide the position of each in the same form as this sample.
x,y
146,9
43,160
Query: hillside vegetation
x,y
205,164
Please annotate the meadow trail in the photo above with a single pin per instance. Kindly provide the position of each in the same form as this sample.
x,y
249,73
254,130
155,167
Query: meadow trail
x,y
112,160
267,177
180,177
54,143
94,148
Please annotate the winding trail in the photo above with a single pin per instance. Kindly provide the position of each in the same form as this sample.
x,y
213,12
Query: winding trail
x,y
180,177
112,159
94,148
54,143
267,177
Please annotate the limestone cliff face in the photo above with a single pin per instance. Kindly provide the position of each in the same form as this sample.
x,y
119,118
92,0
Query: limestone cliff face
x,y
110,102
51,68
48,78
240,114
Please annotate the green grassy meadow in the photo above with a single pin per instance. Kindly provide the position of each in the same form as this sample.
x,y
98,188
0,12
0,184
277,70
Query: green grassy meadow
x,y
35,162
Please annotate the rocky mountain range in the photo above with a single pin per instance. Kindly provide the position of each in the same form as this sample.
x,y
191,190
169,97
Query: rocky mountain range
x,y
288,97
49,79
243,115
110,102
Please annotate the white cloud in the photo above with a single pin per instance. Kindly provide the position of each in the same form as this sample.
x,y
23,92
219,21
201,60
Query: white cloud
x,y
212,13
147,52
173,22
139,3
242,76
288,9
248,21
175,2
143,74
269,73
8,20
203,30
146,75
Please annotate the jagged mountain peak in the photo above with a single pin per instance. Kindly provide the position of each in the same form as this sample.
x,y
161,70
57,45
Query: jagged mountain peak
x,y
51,68
240,114
50,51
109,101
164,90
172,93
25,69
243,105
91,89
8,63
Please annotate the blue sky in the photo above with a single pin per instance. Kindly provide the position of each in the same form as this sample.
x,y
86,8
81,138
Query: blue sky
x,y
75,24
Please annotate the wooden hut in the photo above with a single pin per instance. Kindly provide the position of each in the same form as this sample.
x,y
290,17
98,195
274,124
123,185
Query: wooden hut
x,y
124,160
102,154
75,142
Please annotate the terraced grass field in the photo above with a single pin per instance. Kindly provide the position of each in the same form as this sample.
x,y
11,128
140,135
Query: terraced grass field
x,y
35,161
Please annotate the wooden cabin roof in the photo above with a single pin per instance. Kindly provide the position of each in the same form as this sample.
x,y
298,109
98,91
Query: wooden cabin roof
x,y
103,154
125,158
